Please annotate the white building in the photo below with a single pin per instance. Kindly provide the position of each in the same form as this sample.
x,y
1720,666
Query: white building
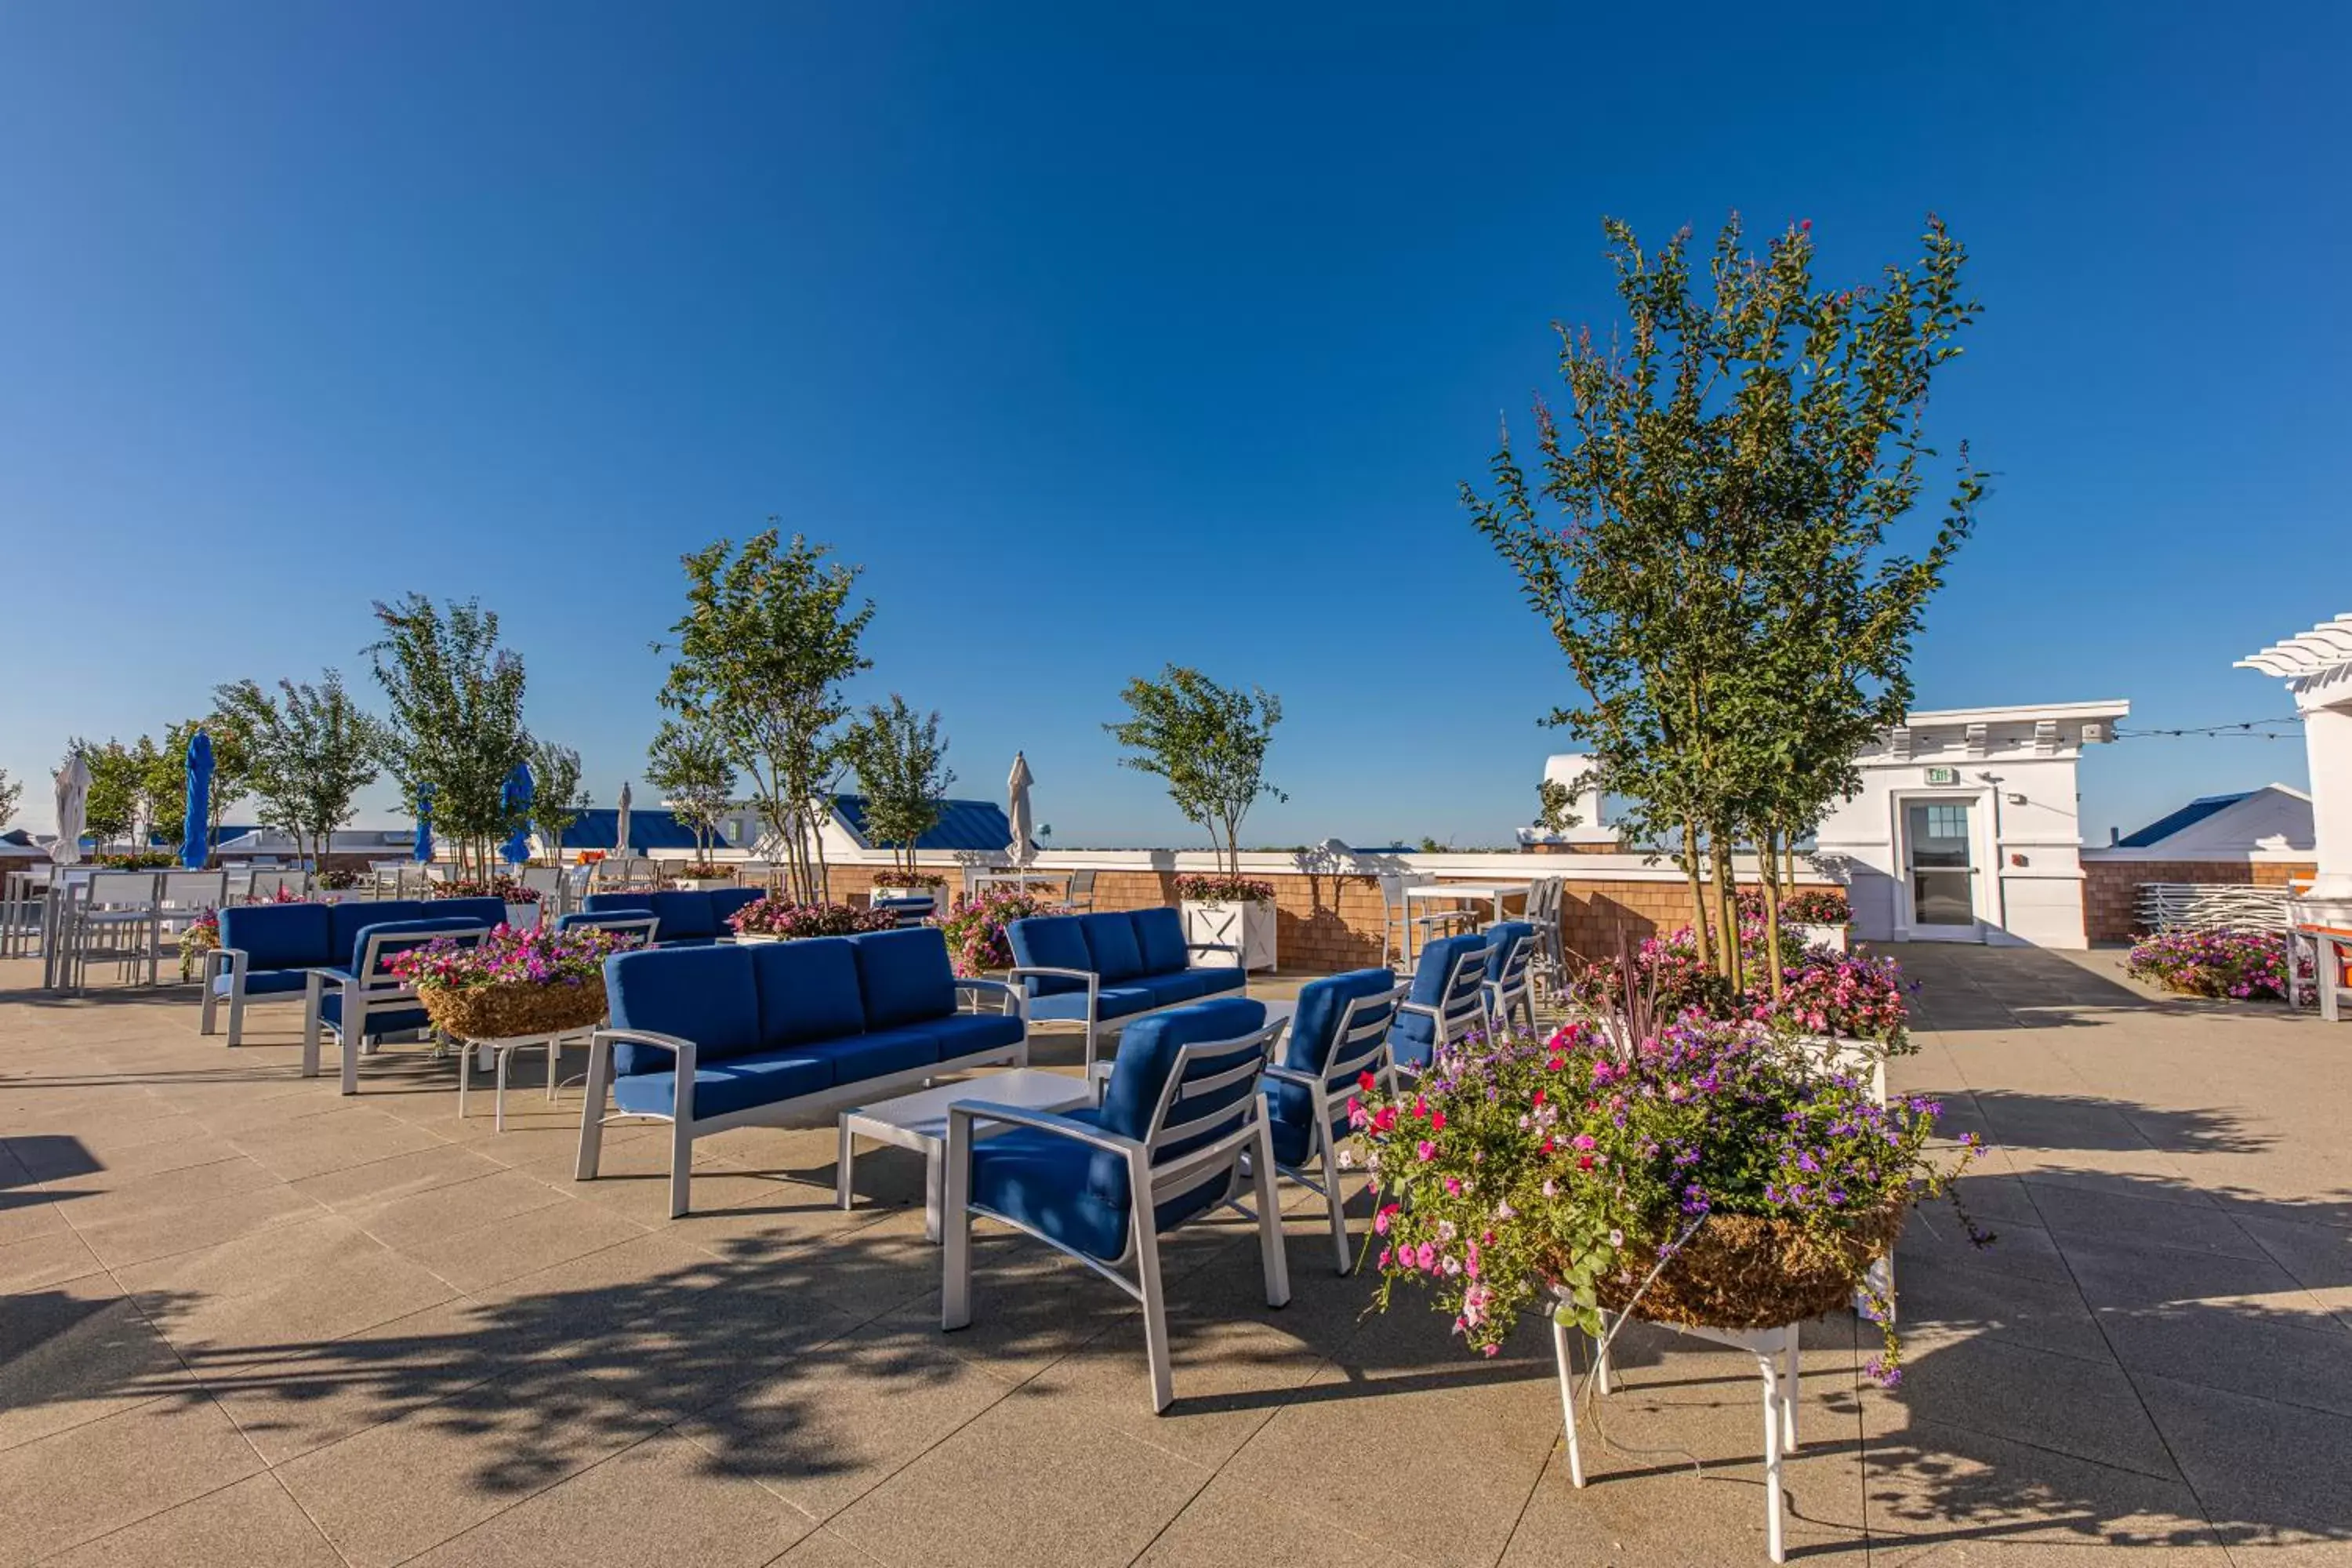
x,y
2316,666
2273,819
1573,771
1967,827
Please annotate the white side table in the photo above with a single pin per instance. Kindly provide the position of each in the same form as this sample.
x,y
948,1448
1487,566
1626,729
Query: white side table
x,y
919,1121
1776,1354
501,1052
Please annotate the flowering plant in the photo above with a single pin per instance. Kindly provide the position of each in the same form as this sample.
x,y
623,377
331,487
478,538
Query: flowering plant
x,y
910,879
506,889
1221,888
511,956
1584,1162
2246,964
337,880
197,938
706,871
975,928
1817,907
783,918
1845,995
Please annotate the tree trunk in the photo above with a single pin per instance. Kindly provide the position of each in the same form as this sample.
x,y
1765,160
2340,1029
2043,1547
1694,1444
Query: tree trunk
x,y
1767,861
1726,905
1697,894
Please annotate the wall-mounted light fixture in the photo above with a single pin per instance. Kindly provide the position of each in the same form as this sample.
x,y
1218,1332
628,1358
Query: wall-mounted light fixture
x,y
2014,799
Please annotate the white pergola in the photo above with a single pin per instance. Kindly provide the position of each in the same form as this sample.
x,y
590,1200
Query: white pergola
x,y
2316,666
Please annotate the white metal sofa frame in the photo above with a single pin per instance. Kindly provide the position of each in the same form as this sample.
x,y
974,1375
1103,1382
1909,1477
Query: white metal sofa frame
x,y
364,990
1361,1039
1148,1184
1109,1028
686,1127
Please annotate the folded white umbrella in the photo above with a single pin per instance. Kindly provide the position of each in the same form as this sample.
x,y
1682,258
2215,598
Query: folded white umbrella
x,y
1016,810
73,810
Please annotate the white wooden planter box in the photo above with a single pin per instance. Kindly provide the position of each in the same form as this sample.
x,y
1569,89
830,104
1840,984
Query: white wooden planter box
x,y
1248,926
704,884
1832,937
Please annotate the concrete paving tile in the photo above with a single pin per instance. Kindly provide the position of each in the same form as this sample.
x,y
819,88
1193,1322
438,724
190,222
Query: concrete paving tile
x,y
1022,1484
822,1548
316,1280
438,1212
402,1486
160,1231
316,1145
1245,1521
27,1212
2061,1403
828,1428
659,1501
253,1524
401,1176
96,1203
2258,1465
93,1479
1231,1377
2302,1359
45,1259
2121,1273
482,1255
2074,1210
76,1352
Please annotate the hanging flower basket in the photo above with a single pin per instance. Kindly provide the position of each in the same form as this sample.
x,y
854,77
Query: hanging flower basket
x,y
500,1012
1748,1271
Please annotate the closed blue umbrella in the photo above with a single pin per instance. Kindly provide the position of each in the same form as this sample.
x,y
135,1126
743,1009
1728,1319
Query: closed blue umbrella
x,y
195,839
514,799
425,825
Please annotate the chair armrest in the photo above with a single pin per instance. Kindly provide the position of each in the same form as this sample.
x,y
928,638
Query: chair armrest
x,y
678,1047
1012,997
1426,1009
1043,1121
1293,1075
1023,971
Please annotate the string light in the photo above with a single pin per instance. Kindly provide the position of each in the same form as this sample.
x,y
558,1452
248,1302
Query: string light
x,y
2251,728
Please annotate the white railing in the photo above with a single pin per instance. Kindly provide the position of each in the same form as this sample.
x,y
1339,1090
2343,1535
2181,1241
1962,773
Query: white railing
x,y
2210,905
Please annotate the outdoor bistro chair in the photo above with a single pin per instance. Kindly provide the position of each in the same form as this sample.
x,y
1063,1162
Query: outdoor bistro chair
x,y
28,890
1338,1033
267,883
1397,918
1446,1003
366,1001
1510,952
548,882
180,898
1547,968
1166,1145
1080,897
115,912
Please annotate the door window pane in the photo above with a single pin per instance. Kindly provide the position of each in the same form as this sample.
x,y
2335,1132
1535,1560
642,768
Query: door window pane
x,y
1939,847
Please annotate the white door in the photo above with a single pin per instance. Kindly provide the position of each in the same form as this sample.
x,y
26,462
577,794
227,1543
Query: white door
x,y
1940,870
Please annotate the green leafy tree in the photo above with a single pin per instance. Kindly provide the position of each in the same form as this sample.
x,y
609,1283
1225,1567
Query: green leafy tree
x,y
455,720
768,639
901,761
167,780
112,808
310,750
691,767
557,797
1207,743
1707,531
11,791
1552,801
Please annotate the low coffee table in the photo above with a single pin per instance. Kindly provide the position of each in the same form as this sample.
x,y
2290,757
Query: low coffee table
x,y
920,1121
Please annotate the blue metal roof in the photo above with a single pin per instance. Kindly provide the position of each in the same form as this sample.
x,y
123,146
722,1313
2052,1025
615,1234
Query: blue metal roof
x,y
650,828
2164,827
978,825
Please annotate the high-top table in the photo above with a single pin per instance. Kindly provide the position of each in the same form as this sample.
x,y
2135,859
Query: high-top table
x,y
1498,893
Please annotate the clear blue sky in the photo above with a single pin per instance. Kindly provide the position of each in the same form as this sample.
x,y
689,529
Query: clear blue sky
x,y
1108,335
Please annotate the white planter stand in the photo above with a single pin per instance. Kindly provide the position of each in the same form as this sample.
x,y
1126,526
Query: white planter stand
x,y
1246,926
1776,1354
702,884
1832,937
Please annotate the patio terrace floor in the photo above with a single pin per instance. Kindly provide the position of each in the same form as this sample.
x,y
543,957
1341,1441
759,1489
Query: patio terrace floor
x,y
248,1321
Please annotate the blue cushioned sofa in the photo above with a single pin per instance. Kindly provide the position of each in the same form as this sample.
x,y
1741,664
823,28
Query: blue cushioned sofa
x,y
1108,970
712,1036
268,950
688,919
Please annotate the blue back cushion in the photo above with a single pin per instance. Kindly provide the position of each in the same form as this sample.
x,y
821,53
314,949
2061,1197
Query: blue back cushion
x,y
684,913
905,975
1415,1035
1500,941
1160,935
1314,1033
399,936
280,936
808,990
347,918
706,994
726,902
1110,937
1050,941
619,904
1147,1053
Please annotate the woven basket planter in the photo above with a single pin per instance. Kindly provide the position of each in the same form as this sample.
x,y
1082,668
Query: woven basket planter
x,y
1740,1271
508,1011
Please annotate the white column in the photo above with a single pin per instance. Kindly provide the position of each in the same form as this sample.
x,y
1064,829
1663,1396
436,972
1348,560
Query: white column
x,y
2327,735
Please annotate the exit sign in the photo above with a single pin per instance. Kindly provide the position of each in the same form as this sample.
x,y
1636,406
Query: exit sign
x,y
1943,775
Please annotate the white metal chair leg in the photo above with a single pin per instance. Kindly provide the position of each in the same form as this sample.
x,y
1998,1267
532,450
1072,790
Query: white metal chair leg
x,y
591,1108
1335,1201
1271,1255
681,1149
1155,1302
955,1223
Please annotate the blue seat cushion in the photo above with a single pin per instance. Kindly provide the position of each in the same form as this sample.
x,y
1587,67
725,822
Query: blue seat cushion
x,y
390,1020
1167,990
1309,1048
1117,1002
1220,978
1500,939
706,994
264,981
968,1032
737,1084
685,915
1070,1191
877,1054
1293,1145
1159,936
905,975
279,936
1051,941
1413,1039
347,920
808,990
1110,938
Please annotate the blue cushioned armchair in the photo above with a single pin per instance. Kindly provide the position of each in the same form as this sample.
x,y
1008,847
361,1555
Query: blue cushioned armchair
x,y
268,950
1166,1145
707,1037
1338,1032
1510,953
1108,970
1446,1003
360,1001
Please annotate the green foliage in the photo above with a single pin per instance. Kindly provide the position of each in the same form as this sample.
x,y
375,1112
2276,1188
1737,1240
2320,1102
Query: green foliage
x,y
768,639
1707,531
309,750
1208,743
557,798
166,775
116,794
456,718
11,791
690,766
901,761
1552,813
